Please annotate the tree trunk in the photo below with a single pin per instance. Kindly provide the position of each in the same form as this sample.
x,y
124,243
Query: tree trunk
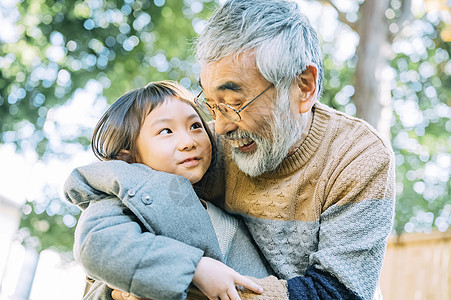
x,y
27,273
372,97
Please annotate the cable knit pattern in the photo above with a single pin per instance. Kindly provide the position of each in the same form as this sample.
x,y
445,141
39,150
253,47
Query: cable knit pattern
x,y
286,245
327,208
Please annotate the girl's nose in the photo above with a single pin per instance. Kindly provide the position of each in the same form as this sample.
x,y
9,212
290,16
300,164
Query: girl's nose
x,y
187,142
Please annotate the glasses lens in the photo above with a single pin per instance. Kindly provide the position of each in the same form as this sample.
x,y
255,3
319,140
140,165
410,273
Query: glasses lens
x,y
229,112
203,105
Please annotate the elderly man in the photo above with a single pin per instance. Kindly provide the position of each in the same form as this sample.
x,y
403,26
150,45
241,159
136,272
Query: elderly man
x,y
315,186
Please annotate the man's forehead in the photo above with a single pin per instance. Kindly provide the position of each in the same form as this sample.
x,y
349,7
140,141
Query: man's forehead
x,y
233,72
227,85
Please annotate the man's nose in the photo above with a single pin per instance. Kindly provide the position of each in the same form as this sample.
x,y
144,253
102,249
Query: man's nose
x,y
223,124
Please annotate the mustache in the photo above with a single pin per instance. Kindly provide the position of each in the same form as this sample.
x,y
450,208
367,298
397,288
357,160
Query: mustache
x,y
238,134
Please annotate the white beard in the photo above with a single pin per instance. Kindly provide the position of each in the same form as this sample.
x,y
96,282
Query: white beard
x,y
283,132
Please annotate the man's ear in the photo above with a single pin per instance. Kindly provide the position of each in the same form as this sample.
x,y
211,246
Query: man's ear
x,y
308,86
125,155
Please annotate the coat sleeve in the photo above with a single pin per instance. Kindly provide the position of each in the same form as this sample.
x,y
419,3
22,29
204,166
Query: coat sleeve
x,y
112,247
141,231
355,224
98,291
164,203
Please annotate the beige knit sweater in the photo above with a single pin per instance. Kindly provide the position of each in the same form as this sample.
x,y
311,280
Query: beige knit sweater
x,y
329,205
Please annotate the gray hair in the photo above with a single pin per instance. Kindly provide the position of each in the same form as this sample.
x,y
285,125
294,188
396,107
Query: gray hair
x,y
280,34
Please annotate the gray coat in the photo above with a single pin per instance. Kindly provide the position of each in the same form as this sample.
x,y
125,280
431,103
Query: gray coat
x,y
144,231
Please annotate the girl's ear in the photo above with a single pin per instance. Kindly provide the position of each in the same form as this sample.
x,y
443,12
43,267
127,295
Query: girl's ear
x,y
126,156
307,83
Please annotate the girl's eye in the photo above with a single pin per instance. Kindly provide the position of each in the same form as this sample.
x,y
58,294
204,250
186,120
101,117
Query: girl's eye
x,y
165,131
196,125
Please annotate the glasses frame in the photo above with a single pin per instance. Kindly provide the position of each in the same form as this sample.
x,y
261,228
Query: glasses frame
x,y
214,107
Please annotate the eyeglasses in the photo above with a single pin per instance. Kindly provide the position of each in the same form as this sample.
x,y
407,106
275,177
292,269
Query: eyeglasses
x,y
228,111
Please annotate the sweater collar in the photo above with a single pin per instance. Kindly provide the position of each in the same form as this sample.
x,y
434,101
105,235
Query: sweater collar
x,y
307,148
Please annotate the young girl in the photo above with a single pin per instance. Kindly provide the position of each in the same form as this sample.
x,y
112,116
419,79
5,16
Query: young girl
x,y
143,230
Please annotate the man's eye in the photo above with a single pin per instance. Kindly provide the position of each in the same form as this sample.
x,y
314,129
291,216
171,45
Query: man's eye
x,y
196,125
235,104
165,131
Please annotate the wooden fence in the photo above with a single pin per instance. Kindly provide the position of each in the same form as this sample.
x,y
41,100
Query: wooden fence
x,y
418,266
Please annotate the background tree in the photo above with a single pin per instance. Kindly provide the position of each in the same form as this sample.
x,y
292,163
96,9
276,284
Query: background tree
x,y
396,75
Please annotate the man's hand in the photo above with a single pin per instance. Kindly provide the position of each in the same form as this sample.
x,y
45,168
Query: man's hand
x,y
217,281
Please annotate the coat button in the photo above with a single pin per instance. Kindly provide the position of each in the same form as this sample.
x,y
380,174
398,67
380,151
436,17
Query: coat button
x,y
147,200
131,193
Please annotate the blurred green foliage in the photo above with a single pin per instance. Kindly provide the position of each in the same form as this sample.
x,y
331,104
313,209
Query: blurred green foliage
x,y
421,132
49,224
421,125
60,45
63,44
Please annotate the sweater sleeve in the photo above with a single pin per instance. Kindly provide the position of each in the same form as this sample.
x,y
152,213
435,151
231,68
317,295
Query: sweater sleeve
x,y
355,222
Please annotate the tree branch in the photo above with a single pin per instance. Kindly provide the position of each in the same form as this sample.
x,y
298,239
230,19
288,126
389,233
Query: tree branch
x,y
406,12
341,15
404,15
